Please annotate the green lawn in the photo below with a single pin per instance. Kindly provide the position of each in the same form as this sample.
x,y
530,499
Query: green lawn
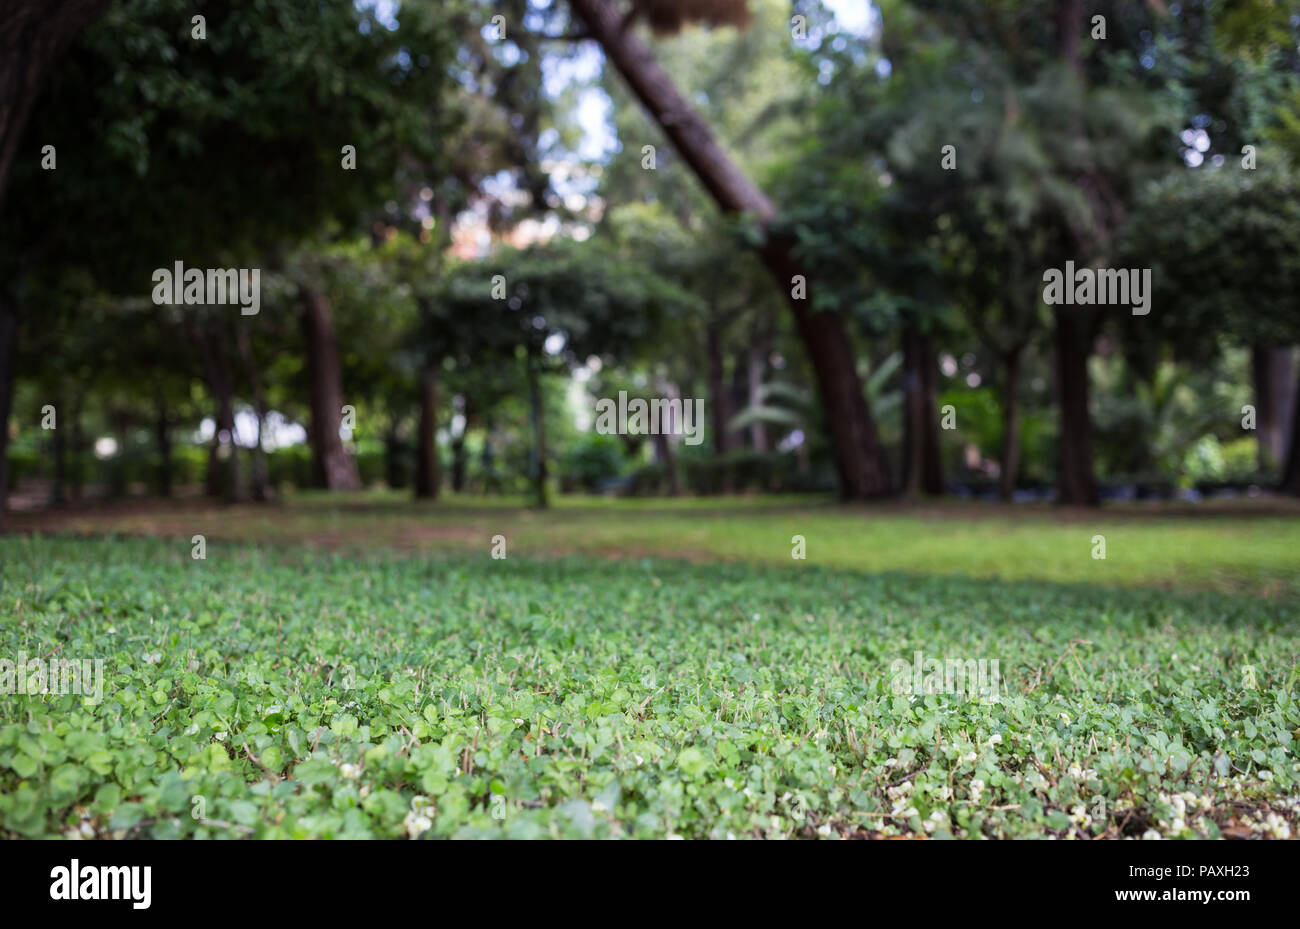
x,y
1251,549
289,692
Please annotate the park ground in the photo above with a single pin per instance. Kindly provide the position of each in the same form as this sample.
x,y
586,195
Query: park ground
x,y
364,666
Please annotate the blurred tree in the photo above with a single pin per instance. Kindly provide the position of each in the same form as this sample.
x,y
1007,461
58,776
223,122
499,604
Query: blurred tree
x,y
33,34
995,136
210,149
859,459
1224,248
694,348
552,307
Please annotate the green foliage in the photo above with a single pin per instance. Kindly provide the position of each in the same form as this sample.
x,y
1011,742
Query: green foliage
x,y
586,292
221,148
1259,27
592,462
980,421
1148,427
1211,461
1224,248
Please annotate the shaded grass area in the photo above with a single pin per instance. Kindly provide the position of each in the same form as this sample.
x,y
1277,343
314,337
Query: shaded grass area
x,y
1251,548
279,692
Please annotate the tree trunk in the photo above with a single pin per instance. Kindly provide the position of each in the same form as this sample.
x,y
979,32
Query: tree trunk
x,y
428,472
1290,482
8,357
718,396
33,34
334,466
1076,485
1271,376
459,463
859,458
222,481
664,452
223,462
858,455
1074,327
537,416
259,479
1010,423
923,470
1286,382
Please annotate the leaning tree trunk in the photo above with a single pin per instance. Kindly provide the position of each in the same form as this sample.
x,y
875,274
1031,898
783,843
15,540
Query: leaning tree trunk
x,y
33,34
428,473
923,470
858,456
1010,460
1076,484
8,357
335,468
